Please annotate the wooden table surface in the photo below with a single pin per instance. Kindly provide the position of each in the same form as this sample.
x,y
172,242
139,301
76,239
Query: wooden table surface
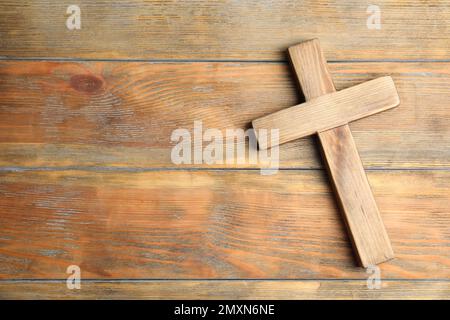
x,y
86,176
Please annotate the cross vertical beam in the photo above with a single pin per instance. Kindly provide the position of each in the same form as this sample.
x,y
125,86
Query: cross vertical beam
x,y
358,206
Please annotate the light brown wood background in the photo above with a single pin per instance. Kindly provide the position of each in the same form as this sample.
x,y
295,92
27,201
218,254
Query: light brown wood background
x,y
85,170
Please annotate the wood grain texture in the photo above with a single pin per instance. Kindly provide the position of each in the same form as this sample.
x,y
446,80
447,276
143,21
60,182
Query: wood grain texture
x,y
217,224
329,111
121,214
59,114
354,195
289,290
358,207
250,30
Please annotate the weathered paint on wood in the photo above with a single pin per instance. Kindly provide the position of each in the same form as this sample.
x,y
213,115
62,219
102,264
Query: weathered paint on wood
x,y
57,114
219,224
248,30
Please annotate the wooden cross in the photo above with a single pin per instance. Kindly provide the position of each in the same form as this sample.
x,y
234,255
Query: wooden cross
x,y
328,113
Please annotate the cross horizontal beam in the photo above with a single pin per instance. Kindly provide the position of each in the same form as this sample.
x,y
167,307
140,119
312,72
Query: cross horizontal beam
x,y
329,111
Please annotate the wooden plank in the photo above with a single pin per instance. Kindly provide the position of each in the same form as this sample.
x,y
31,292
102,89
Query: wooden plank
x,y
352,189
212,224
330,111
319,289
250,30
47,118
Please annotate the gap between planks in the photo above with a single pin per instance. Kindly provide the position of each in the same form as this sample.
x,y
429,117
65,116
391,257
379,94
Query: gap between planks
x,y
140,280
169,169
78,59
